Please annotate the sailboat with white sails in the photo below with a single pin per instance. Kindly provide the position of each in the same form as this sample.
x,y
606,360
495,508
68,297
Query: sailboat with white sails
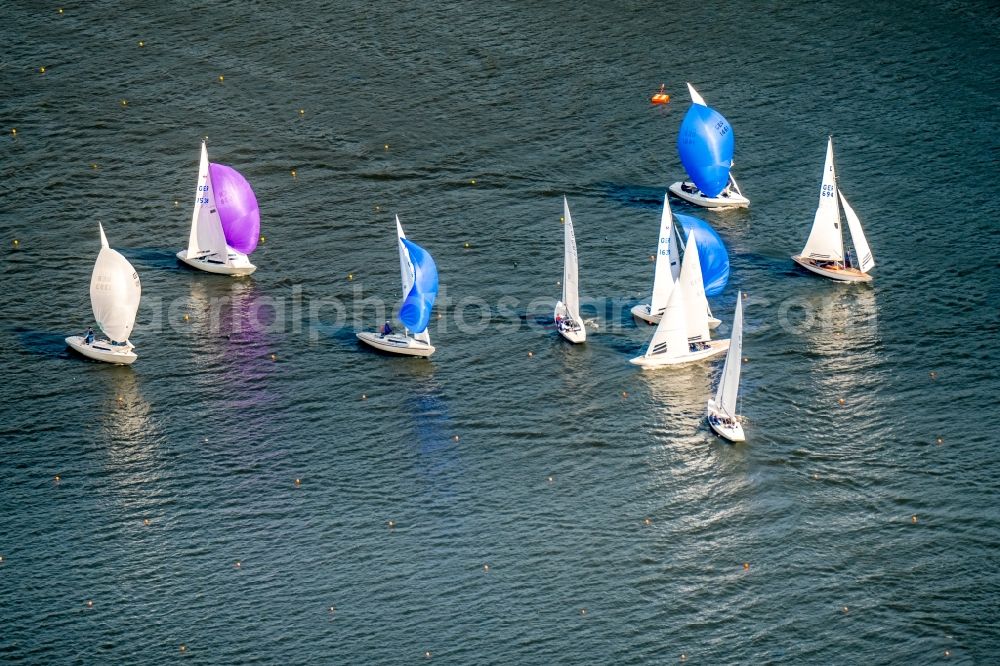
x,y
419,277
225,223
567,310
824,251
721,410
682,336
114,297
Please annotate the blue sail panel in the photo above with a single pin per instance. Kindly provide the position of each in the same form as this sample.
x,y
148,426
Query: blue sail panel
x,y
705,145
711,252
415,313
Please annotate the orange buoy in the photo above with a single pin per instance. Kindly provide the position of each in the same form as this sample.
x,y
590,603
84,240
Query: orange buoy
x,y
661,96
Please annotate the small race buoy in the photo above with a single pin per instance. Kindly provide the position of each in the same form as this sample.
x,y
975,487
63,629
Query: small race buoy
x,y
746,566
183,647
41,70
841,401
933,374
378,208
13,131
15,242
186,317
454,438
652,257
940,441
90,603
947,653
530,354
302,112
913,518
486,568
237,565
746,359
332,609
141,43
427,654
60,10
392,524
466,246
647,521
274,357
93,165
124,102
385,146
624,394
551,479
1,559
58,478
815,476
221,78
661,96
364,396
145,521
684,657
176,203
583,611
350,276
472,182
562,220
844,609
294,175
298,482
263,239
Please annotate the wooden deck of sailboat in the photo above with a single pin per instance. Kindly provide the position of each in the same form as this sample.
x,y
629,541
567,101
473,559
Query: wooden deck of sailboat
x,y
840,274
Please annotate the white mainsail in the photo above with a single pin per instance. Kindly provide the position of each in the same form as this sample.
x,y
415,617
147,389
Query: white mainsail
x,y
864,253
114,292
826,242
207,237
671,334
729,384
667,268
570,295
695,97
695,302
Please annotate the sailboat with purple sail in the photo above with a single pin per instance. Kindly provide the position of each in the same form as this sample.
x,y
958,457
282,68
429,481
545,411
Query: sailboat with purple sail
x,y
225,224
706,145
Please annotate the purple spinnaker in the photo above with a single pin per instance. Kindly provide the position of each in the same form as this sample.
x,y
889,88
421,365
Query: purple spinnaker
x,y
237,208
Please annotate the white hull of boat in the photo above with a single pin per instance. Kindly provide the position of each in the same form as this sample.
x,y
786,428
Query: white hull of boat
x,y
643,313
698,198
396,344
574,331
839,274
239,264
102,350
723,427
714,348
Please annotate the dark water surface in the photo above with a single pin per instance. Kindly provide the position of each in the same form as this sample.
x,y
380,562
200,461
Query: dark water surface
x,y
615,527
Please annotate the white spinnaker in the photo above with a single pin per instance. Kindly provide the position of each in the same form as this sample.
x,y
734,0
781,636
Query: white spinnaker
x,y
826,241
207,236
667,262
114,293
571,294
695,302
729,384
671,337
864,253
695,97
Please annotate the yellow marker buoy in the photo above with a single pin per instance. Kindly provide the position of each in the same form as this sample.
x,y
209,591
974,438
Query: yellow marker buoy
x,y
378,209
467,246
90,603
141,44
1,558
551,479
530,354
392,524
186,317
684,657
124,102
652,257
93,165
746,359
647,521
41,70
58,478
746,566
274,357
350,276
940,440
302,112
472,182
364,396
145,521
947,653
583,611
176,203
385,147
262,239
486,568
13,131
15,242
933,374
562,220
427,654
914,518
60,10
298,482
844,609
221,78
294,175
841,401
183,647
624,394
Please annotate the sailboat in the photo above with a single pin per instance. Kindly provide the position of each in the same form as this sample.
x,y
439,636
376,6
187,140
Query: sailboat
x,y
824,250
682,335
419,277
721,411
567,311
667,266
225,224
114,296
706,144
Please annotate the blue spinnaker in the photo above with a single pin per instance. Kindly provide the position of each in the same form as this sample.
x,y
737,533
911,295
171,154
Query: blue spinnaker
x,y
705,145
711,252
415,312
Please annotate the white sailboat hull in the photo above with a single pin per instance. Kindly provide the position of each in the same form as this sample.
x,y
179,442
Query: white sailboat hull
x,y
102,350
698,198
239,264
714,348
643,312
839,274
722,425
573,330
396,344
